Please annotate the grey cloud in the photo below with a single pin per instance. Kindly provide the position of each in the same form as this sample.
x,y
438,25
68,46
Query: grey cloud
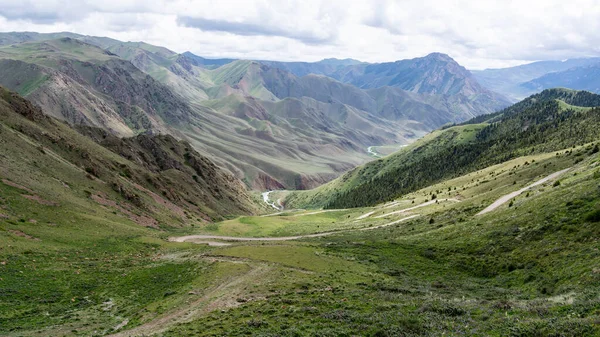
x,y
38,17
251,29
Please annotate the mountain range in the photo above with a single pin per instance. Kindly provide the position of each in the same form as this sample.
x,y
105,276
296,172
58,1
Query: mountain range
x,y
423,203
271,124
524,80
551,120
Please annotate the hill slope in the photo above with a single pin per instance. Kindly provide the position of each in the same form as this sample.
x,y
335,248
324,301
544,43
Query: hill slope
x,y
84,84
551,120
155,181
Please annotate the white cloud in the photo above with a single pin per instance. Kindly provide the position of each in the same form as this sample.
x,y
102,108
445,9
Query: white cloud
x,y
476,33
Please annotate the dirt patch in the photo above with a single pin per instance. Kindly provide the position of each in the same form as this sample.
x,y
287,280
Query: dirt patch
x,y
221,297
23,235
21,187
142,220
3,216
39,200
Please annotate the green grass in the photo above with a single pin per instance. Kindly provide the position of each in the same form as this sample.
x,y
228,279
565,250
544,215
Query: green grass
x,y
565,106
516,271
286,224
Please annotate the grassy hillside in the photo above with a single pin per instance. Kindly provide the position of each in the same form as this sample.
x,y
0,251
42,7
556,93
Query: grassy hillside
x,y
85,221
528,268
154,176
525,270
540,123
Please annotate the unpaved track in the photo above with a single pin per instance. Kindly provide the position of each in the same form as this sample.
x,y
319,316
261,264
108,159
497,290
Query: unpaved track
x,y
366,215
431,202
221,296
192,238
509,196
204,238
390,224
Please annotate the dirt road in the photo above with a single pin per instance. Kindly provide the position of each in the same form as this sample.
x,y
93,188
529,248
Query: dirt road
x,y
206,238
509,196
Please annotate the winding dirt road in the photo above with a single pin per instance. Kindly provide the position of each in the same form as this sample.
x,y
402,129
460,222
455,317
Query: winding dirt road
x,y
204,238
430,202
509,196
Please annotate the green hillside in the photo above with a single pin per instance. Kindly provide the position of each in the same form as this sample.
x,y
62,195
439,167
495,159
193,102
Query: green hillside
x,y
538,124
108,232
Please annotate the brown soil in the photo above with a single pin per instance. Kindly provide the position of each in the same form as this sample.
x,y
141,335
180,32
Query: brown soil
x,y
23,235
142,220
39,200
21,187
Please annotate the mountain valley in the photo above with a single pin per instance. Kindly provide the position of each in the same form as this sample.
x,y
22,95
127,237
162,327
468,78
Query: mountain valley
x,y
146,192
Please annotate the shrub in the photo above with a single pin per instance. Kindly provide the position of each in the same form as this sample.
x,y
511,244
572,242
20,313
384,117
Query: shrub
x,y
593,216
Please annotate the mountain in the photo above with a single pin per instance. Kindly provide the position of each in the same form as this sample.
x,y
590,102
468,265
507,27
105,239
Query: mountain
x,y
265,125
552,120
239,144
206,62
324,67
154,181
580,78
102,89
435,73
510,81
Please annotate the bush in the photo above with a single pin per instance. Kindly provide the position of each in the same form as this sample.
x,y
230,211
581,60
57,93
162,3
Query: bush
x,y
593,216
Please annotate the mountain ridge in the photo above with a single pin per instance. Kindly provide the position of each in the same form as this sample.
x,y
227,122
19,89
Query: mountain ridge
x,y
543,122
322,140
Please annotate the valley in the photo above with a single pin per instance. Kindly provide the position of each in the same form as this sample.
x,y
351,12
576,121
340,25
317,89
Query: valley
x,y
148,192
269,127
396,254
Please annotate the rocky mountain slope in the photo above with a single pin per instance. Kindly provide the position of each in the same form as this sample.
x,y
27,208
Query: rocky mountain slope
x,y
267,126
152,180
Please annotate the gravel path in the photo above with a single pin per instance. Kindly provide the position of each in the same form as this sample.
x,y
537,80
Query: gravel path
x,y
509,196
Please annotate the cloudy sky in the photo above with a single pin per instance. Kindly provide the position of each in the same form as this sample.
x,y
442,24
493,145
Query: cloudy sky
x,y
478,34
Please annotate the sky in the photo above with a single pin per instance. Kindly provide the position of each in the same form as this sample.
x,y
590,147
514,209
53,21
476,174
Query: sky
x,y
478,34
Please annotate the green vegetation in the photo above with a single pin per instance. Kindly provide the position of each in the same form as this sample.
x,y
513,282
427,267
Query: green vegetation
x,y
423,264
517,271
536,125
109,236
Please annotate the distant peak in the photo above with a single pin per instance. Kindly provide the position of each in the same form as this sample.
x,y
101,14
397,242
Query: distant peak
x,y
439,56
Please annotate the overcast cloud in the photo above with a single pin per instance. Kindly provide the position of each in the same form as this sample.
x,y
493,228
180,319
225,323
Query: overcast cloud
x,y
478,34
